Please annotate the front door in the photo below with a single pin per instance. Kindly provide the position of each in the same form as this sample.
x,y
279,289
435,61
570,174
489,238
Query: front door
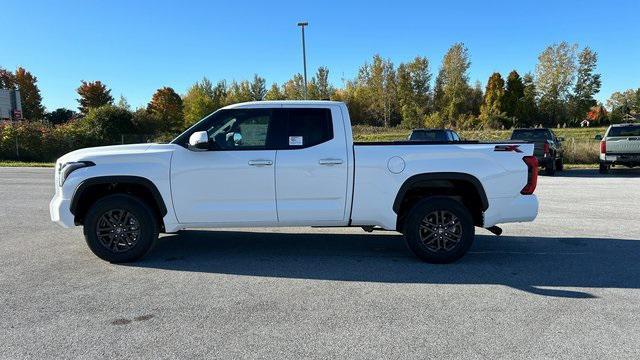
x,y
234,181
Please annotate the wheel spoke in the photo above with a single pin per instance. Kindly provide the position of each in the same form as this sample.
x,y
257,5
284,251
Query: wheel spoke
x,y
118,230
440,230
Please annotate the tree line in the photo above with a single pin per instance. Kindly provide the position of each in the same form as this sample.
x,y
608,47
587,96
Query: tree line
x,y
560,92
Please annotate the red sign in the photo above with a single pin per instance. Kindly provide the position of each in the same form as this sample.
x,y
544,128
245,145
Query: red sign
x,y
17,114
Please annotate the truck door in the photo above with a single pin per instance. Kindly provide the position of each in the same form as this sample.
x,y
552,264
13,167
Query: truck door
x,y
311,168
233,182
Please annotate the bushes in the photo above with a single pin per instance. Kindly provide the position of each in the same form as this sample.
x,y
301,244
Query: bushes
x,y
106,125
581,152
41,141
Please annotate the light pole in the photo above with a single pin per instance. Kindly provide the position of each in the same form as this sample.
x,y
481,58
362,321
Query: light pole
x,y
304,56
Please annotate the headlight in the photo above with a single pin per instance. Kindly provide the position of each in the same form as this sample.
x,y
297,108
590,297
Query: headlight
x,y
67,168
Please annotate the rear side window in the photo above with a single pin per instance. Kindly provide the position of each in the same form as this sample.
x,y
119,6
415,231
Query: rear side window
x,y
308,127
624,131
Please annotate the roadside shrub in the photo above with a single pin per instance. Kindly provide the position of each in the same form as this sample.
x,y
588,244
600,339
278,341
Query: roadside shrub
x,y
581,152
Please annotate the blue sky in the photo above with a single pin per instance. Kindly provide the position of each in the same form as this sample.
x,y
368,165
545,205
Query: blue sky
x,y
136,47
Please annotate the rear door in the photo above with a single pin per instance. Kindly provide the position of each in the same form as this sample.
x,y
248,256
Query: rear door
x,y
311,168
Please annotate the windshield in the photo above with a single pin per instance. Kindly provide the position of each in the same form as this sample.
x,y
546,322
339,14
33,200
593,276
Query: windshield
x,y
428,135
530,135
624,131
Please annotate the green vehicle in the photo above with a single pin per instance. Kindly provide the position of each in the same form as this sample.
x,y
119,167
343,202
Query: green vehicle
x,y
619,146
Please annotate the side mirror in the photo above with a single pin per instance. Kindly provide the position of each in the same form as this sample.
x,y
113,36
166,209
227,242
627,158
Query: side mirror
x,y
199,141
561,139
598,137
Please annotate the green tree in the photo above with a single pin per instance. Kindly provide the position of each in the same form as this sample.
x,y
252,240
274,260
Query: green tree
x,y
586,87
59,116
257,88
123,103
239,92
491,113
527,110
203,98
293,89
555,72
475,99
93,94
378,87
623,103
32,108
513,94
452,82
413,91
108,123
324,90
167,106
274,93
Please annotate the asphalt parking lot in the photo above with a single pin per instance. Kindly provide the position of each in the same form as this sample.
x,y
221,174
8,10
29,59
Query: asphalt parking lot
x,y
567,285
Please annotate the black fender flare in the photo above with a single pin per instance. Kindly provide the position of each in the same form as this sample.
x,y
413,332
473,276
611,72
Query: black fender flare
x,y
417,180
119,179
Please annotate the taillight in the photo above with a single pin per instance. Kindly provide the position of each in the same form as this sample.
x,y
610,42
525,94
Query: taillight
x,y
532,175
603,147
546,148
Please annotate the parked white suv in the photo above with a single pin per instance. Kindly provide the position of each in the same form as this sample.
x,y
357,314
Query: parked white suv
x,y
292,163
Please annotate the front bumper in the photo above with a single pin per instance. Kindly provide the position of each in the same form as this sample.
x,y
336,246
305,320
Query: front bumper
x,y
59,211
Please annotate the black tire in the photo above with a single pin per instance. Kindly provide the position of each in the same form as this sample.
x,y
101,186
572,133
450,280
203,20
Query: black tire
x,y
420,236
560,164
604,168
120,228
550,169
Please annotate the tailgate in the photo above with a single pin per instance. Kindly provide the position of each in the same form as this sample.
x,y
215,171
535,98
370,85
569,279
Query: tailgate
x,y
623,145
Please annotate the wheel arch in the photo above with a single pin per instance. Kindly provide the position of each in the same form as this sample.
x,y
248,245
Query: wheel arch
x,y
91,189
466,187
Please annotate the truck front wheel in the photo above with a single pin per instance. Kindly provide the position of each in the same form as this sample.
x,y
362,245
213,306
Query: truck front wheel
x,y
439,230
120,228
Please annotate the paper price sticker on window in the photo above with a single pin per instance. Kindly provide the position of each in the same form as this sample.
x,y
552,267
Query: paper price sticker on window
x,y
295,140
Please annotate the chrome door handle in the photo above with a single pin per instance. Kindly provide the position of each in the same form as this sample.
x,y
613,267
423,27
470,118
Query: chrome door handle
x,y
330,162
260,162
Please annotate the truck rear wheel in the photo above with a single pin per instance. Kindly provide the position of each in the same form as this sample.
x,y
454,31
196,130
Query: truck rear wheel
x,y
120,228
439,230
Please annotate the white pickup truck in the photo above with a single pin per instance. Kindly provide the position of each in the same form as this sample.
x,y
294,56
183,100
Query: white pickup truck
x,y
292,163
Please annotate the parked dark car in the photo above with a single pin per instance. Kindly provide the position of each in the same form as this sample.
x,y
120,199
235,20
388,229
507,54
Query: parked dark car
x,y
547,147
435,135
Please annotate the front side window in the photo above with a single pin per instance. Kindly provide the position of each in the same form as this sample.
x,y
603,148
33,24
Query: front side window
x,y
235,129
241,130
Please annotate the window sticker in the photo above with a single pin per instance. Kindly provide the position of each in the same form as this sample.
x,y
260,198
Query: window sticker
x,y
295,140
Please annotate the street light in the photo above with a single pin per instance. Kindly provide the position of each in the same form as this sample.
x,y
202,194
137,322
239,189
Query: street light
x,y
304,57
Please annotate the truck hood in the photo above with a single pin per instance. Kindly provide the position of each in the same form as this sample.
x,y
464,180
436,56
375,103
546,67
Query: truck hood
x,y
114,151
